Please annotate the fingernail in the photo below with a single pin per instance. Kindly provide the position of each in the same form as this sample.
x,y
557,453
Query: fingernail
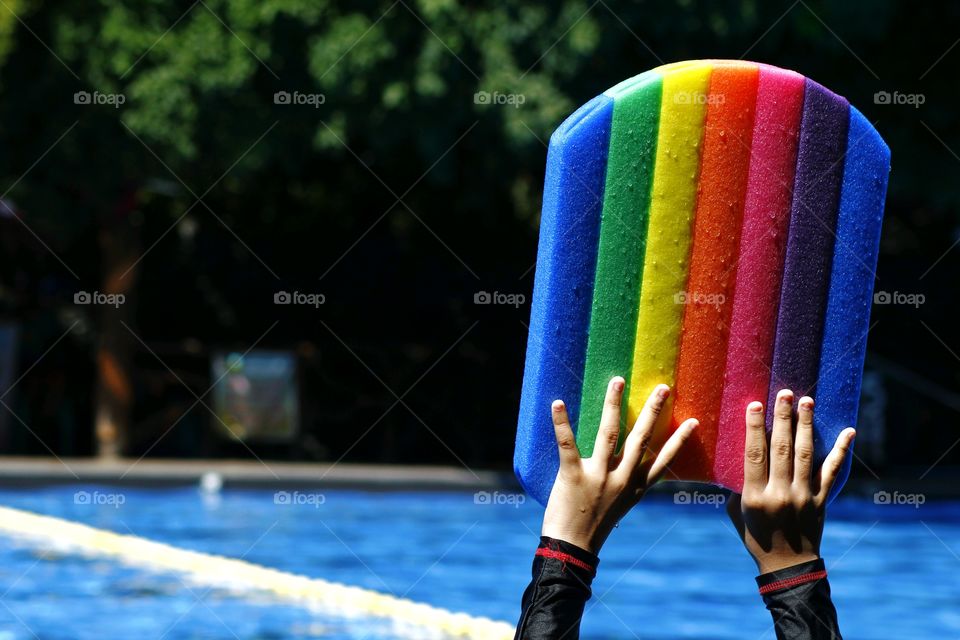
x,y
663,392
786,397
806,403
756,407
618,385
693,424
558,405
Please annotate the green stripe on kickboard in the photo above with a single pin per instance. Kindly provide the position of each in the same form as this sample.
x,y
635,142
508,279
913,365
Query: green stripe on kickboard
x,y
623,229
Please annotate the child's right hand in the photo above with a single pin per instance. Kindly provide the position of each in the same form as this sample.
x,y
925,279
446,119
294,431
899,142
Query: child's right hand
x,y
591,494
780,515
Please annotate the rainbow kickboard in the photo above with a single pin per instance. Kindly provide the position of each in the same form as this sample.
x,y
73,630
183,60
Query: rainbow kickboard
x,y
712,225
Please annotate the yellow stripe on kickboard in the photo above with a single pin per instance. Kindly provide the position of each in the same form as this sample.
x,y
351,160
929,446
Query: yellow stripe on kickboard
x,y
672,208
239,576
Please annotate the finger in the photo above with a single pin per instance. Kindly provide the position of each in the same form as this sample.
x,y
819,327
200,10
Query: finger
x,y
670,450
609,431
803,445
834,462
638,440
755,449
781,439
566,442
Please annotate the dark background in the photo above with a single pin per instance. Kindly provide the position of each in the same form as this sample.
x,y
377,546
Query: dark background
x,y
398,199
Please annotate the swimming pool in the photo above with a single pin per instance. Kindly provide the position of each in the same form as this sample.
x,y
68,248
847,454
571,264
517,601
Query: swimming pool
x,y
669,571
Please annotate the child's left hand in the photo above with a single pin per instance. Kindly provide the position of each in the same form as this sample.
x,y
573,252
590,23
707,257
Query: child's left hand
x,y
591,495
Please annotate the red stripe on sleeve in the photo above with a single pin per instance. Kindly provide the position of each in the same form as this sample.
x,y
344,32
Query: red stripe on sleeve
x,y
564,557
792,582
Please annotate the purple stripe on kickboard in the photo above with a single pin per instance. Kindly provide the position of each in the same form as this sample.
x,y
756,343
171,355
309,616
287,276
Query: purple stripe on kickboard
x,y
810,243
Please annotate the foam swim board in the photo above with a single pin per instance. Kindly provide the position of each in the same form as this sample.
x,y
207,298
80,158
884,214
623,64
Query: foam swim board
x,y
712,225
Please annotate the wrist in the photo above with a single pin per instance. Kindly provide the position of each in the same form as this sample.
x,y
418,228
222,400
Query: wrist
x,y
778,562
578,539
792,577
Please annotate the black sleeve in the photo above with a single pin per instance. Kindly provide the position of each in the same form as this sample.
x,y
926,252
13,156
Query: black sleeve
x,y
553,602
798,598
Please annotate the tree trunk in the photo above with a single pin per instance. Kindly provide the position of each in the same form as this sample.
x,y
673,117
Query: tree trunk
x,y
119,251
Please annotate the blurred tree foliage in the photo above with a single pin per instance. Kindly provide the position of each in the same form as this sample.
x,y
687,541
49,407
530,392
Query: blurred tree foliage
x,y
398,197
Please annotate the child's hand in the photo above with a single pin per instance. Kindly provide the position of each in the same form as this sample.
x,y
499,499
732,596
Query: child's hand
x,y
591,495
780,515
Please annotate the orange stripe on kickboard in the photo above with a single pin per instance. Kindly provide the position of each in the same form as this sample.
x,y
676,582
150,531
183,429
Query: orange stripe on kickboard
x,y
708,298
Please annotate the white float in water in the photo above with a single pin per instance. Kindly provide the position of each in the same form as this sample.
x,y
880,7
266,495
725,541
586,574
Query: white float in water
x,y
211,483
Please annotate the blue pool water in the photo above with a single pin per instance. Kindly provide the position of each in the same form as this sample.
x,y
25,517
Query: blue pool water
x,y
669,571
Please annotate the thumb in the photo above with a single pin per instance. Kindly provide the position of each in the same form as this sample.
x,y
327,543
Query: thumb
x,y
834,462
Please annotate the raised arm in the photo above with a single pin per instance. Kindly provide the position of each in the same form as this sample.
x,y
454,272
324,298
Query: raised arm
x,y
588,499
781,514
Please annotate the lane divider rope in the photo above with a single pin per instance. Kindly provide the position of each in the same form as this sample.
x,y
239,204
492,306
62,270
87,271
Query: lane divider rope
x,y
240,575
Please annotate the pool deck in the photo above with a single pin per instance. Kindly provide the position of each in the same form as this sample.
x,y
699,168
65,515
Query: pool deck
x,y
33,472
23,471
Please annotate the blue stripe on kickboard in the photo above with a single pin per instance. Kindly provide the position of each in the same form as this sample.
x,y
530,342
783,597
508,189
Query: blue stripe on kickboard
x,y
866,168
563,288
